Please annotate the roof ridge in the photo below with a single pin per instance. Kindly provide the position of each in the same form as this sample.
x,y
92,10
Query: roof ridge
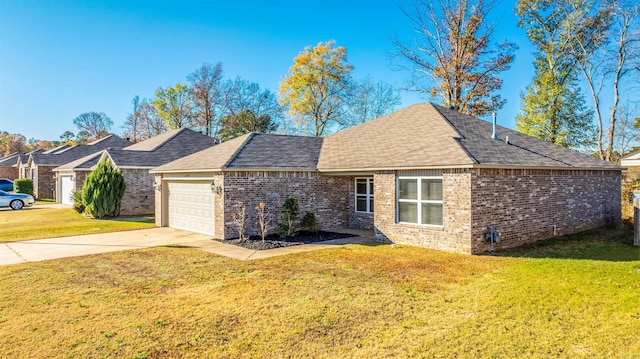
x,y
237,151
461,136
177,132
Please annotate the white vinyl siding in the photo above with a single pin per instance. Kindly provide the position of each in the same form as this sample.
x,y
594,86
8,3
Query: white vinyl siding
x,y
420,200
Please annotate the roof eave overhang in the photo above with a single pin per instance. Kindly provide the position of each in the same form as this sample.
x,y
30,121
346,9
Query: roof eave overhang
x,y
347,171
239,169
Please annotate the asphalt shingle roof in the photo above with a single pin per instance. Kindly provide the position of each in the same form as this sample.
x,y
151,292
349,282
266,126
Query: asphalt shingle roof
x,y
175,144
73,153
253,151
420,136
427,135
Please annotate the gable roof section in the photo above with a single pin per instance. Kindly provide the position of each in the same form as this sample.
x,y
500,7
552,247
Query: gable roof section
x,y
431,136
416,136
10,160
75,152
164,148
253,151
153,142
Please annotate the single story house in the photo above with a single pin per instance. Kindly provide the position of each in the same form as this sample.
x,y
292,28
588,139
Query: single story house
x,y
40,165
134,161
424,175
9,165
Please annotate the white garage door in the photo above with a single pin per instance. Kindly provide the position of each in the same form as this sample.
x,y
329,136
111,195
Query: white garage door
x,y
190,206
66,187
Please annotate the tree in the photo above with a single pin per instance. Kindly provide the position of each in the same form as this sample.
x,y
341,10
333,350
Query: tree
x,y
317,87
144,122
10,143
371,100
67,138
555,112
206,86
174,105
552,107
132,123
605,45
232,126
452,57
103,190
95,124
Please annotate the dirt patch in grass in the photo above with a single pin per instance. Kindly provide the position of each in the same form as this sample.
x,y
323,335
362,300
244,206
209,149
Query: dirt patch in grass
x,y
274,241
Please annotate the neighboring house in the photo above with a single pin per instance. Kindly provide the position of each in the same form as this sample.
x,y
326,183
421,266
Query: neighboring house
x,y
23,170
134,161
9,165
632,164
40,165
424,175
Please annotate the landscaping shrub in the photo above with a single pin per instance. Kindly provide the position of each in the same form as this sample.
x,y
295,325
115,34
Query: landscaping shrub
x,y
263,218
289,215
23,185
239,217
309,222
103,190
76,196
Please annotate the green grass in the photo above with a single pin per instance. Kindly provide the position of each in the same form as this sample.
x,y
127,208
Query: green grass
x,y
576,298
36,222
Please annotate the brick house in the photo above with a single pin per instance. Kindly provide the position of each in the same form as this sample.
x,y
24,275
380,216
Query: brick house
x,y
134,162
438,179
40,164
9,165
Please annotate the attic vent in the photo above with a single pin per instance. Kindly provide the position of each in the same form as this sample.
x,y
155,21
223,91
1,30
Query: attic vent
x,y
494,136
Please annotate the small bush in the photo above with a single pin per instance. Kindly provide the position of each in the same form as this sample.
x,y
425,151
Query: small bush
x,y
239,217
309,222
23,185
76,196
103,190
289,215
264,220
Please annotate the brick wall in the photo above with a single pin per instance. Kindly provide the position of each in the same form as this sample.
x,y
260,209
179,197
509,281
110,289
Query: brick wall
x,y
453,236
325,196
9,172
526,205
44,184
358,220
139,196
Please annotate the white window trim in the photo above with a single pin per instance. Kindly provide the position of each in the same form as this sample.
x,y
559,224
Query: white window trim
x,y
418,201
368,196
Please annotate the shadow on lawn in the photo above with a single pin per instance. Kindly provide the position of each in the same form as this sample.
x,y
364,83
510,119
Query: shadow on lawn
x,y
605,244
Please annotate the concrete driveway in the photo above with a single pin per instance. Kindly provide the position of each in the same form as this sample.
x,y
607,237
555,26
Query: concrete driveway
x,y
62,247
51,248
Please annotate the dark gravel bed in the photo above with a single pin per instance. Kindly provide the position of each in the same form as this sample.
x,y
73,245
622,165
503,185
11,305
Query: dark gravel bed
x,y
274,241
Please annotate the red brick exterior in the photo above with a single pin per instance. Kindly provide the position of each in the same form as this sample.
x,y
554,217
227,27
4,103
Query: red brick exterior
x,y
525,205
9,172
453,236
325,196
139,196
44,183
532,205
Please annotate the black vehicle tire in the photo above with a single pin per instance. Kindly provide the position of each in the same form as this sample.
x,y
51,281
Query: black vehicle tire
x,y
16,204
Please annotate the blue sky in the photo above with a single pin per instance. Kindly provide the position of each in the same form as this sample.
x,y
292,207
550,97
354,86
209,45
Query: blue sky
x,y
61,58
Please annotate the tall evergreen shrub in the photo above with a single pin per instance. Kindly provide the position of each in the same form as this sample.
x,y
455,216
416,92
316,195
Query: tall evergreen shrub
x,y
103,190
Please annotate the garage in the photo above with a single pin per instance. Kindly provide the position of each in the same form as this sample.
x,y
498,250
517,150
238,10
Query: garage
x,y
66,189
190,206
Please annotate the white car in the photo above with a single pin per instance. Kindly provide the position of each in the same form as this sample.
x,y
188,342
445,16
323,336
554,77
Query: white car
x,y
15,200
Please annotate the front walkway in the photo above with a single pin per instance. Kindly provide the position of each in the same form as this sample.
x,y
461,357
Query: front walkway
x,y
62,247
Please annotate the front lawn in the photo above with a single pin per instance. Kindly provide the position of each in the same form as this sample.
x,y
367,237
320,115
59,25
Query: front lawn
x,y
565,300
37,222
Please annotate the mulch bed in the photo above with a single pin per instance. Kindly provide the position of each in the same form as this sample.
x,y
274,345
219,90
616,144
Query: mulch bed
x,y
274,241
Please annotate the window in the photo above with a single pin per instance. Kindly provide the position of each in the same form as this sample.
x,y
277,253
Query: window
x,y
420,200
364,195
